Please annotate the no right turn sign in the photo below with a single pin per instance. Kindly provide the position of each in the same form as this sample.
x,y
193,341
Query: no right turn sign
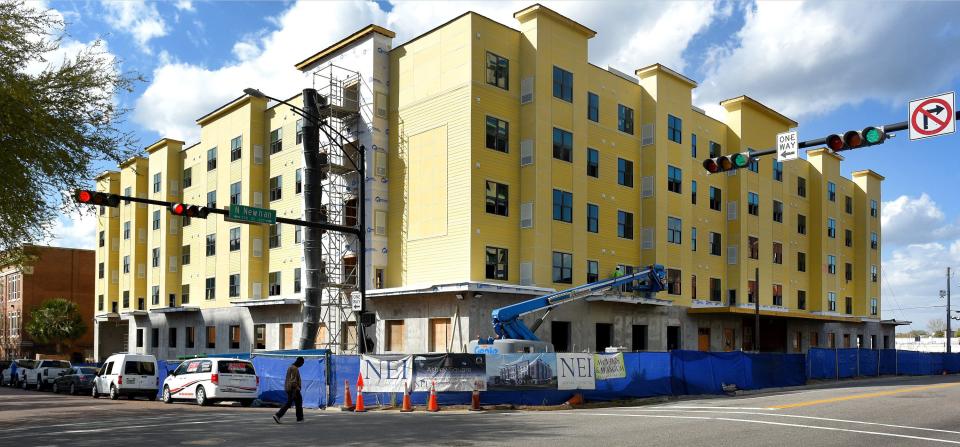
x,y
932,116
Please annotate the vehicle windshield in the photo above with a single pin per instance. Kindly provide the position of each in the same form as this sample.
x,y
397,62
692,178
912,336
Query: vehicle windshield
x,y
55,364
141,368
25,364
87,370
235,367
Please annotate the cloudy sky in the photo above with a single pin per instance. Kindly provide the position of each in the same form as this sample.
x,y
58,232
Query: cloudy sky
x,y
829,65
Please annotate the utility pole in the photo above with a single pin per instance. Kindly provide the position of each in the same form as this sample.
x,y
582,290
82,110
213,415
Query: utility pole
x,y
949,333
312,197
756,311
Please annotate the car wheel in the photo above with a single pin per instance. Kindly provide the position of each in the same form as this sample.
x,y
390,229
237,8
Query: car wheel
x,y
94,392
23,384
73,389
55,388
39,384
167,396
114,393
202,397
246,403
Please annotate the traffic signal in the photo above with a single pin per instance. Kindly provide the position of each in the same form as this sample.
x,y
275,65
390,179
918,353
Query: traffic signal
x,y
853,139
727,162
182,209
96,198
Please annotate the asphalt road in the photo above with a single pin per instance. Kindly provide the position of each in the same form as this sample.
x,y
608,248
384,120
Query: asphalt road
x,y
880,412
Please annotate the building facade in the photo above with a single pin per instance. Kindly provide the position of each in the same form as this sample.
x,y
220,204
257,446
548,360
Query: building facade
x,y
500,165
46,273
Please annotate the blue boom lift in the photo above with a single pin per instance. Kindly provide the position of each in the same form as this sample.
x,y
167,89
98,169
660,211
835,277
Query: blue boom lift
x,y
514,336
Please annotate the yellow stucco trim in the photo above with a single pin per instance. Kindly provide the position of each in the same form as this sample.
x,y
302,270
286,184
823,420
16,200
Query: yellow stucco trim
x,y
224,109
867,172
660,68
769,313
130,161
371,28
744,99
106,175
823,151
538,8
161,143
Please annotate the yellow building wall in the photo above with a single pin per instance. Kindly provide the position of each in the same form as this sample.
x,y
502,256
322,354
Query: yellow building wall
x,y
108,222
133,181
164,160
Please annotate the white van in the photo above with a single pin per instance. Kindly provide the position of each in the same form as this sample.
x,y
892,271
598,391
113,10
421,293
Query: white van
x,y
127,375
208,380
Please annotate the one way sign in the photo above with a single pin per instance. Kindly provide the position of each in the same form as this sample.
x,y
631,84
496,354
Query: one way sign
x,y
787,143
931,117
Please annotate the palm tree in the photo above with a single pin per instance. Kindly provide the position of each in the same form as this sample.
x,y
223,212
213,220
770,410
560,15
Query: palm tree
x,y
55,321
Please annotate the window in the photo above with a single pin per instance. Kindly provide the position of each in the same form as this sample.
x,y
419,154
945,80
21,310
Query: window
x,y
276,141
393,332
187,177
562,145
751,291
715,247
235,239
298,233
753,203
801,299
155,337
693,238
624,224
673,281
156,182
562,84
155,258
831,191
497,198
801,187
624,119
848,204
297,280
777,253
498,132
873,306
848,238
562,206
873,208
693,286
674,179
693,192
139,338
693,145
211,288
235,148
593,218
562,267
189,337
234,337
211,337
873,273
156,220
801,224
185,294
155,295
99,302
100,269
300,131
298,181
496,263
273,280
126,230
715,289
126,264
674,230
848,271
235,193
103,238
715,199
777,211
274,240
714,149
276,188
831,227
778,295
593,163
185,255
498,71
593,108
172,337
831,264
625,172
593,271
126,299
259,336
778,170
753,244
211,244
211,159
211,199
674,129
873,241
801,261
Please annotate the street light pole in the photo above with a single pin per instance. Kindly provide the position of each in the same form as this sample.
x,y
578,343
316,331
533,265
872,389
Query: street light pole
x,y
312,210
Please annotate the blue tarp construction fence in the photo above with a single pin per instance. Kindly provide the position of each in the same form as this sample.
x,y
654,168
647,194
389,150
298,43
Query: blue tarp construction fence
x,y
852,362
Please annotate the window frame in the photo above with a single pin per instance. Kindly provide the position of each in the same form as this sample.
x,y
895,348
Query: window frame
x,y
500,70
674,129
498,269
562,273
498,204
562,84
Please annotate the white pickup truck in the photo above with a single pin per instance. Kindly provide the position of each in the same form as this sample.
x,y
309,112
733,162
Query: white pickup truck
x,y
43,373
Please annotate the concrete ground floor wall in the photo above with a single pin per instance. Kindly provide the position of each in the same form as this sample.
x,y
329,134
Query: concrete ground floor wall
x,y
584,325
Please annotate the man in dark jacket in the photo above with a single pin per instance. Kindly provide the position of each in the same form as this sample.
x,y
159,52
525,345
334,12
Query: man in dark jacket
x,y
291,385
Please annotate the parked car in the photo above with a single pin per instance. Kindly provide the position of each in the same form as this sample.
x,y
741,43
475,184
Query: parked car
x,y
128,375
75,380
41,373
12,375
209,380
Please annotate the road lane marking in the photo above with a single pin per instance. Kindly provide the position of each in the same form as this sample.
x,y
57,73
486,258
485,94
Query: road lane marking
x,y
784,424
864,395
708,407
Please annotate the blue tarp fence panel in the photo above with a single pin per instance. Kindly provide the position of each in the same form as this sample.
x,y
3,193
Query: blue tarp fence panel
x,y
770,370
908,363
648,374
868,363
821,363
164,368
846,363
696,372
888,361
273,371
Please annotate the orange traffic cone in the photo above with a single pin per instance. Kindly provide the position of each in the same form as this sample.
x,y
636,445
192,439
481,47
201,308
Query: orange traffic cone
x,y
348,400
359,408
406,408
577,399
432,402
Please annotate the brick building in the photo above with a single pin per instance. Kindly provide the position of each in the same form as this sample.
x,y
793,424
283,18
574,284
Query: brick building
x,y
50,272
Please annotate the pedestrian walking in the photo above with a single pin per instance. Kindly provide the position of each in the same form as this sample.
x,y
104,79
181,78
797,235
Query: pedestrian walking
x,y
291,385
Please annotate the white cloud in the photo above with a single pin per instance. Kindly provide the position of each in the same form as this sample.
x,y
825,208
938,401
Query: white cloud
x,y
907,220
184,5
137,18
811,58
912,277
74,230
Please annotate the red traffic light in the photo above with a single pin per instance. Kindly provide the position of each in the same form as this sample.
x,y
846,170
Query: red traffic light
x,y
178,209
96,198
84,196
182,209
852,140
834,142
710,165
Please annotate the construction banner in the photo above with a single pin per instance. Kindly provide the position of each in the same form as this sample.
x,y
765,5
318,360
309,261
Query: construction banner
x,y
450,372
522,371
609,366
386,373
575,372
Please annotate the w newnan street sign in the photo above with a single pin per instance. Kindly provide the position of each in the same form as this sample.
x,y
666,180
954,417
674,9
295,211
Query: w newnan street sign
x,y
251,214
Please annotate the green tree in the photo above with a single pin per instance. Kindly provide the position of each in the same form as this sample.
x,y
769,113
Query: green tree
x,y
59,114
56,321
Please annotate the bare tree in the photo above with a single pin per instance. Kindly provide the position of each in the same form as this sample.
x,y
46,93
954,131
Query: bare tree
x,y
937,327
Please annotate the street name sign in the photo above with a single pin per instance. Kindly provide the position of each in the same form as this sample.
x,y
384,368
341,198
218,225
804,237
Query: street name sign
x,y
249,214
787,146
932,116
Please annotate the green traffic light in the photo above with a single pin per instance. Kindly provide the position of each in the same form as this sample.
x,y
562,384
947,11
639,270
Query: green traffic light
x,y
873,135
741,160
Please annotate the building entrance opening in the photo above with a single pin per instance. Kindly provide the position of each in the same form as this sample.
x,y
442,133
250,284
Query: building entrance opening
x,y
560,335
673,337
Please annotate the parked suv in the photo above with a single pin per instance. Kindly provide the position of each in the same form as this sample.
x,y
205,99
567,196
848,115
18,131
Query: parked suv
x,y
10,376
42,373
128,375
208,380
